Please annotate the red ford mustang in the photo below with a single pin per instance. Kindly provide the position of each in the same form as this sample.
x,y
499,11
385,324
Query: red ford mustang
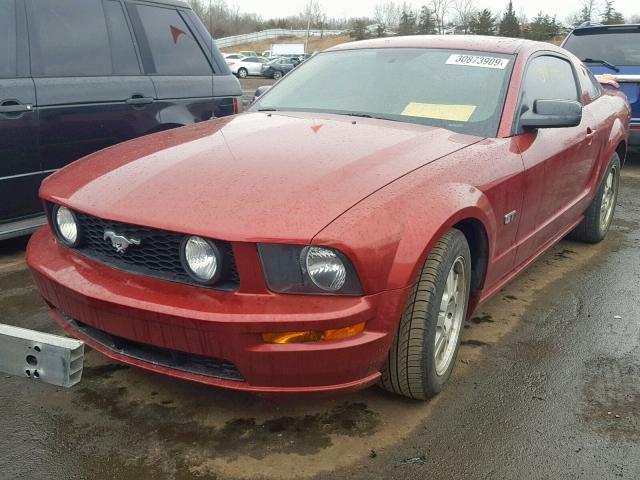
x,y
339,233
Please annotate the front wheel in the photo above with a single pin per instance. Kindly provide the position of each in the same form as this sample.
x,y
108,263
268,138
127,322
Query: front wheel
x,y
599,215
424,350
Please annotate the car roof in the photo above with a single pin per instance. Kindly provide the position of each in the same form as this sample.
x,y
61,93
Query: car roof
x,y
175,3
455,42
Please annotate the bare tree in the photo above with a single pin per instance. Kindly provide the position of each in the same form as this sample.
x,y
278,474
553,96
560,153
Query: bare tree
x,y
441,9
465,9
634,19
523,20
387,15
590,9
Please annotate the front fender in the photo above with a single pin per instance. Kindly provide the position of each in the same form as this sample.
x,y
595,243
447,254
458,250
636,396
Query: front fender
x,y
388,227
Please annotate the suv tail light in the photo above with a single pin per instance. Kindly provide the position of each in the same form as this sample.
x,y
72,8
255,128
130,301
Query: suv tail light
x,y
237,105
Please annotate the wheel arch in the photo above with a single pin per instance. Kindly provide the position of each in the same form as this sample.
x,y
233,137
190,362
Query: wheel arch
x,y
478,240
622,151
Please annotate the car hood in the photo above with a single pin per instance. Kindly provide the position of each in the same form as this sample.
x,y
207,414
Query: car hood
x,y
252,177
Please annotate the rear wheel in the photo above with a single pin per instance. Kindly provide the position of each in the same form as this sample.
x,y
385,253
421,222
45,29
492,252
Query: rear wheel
x,y
424,350
243,73
599,215
277,75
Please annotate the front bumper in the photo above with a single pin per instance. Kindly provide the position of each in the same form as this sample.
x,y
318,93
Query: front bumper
x,y
89,299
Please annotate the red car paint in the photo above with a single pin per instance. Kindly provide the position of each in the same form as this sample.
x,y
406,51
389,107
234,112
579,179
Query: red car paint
x,y
381,192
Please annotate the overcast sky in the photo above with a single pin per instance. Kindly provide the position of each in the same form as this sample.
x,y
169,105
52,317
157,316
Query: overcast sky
x,y
363,8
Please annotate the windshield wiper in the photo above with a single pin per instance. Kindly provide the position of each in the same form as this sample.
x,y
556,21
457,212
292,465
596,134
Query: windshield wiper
x,y
267,109
365,115
602,62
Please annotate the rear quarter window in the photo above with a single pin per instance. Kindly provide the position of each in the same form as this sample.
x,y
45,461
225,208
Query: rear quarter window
x,y
589,82
7,38
174,49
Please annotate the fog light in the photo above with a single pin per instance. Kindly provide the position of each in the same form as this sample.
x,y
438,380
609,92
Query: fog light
x,y
66,226
313,336
201,260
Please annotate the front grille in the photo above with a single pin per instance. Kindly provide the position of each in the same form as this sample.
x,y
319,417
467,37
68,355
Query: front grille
x,y
158,254
184,362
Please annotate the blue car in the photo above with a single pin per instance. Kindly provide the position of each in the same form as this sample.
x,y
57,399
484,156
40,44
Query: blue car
x,y
614,51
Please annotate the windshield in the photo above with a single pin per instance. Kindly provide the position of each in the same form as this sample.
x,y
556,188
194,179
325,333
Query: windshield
x,y
620,48
459,90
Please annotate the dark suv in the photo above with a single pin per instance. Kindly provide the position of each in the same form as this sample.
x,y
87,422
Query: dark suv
x,y
77,76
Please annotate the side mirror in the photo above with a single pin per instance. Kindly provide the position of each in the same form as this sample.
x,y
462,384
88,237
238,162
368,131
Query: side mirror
x,y
607,81
552,114
260,91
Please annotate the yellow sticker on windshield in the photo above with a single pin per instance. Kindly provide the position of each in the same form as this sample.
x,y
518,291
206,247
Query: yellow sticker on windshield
x,y
457,113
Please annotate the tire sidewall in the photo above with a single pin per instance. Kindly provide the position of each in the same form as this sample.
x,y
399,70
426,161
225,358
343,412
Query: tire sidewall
x,y
457,248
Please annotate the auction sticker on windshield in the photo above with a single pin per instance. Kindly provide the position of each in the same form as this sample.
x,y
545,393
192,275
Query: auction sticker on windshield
x,y
478,61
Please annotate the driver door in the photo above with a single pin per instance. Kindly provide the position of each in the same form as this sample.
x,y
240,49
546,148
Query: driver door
x,y
558,161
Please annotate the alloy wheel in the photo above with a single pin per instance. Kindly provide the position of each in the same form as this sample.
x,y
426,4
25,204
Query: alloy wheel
x,y
608,199
450,316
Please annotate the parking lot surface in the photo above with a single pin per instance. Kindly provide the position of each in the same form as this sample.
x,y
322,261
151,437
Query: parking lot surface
x,y
547,385
250,85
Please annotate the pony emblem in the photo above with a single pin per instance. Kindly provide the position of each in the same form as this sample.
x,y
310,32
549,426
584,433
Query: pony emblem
x,y
120,242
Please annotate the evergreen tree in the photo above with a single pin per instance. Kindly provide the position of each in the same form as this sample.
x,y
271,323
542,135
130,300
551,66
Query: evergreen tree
x,y
610,16
483,23
359,29
427,24
509,26
407,25
543,27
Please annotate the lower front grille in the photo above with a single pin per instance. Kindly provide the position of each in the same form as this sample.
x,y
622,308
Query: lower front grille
x,y
173,359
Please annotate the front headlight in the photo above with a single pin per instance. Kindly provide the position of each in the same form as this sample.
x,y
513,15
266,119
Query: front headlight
x,y
65,226
201,259
324,268
308,269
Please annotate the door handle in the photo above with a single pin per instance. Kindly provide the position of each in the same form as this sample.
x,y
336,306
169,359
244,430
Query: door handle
x,y
12,106
139,100
590,134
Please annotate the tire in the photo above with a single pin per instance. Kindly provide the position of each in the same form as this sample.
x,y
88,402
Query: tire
x,y
412,369
598,217
277,75
243,73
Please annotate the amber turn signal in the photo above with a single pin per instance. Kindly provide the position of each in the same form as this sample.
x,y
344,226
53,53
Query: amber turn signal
x,y
313,336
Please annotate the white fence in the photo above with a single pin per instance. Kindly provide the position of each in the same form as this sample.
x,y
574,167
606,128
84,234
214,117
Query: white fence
x,y
269,34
